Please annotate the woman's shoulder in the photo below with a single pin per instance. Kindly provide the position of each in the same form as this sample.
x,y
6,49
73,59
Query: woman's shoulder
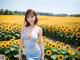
x,y
22,29
39,28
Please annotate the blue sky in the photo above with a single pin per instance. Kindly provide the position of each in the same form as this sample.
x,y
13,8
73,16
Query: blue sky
x,y
52,6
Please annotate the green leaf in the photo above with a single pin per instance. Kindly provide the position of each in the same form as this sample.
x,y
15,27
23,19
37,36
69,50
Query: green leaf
x,y
54,49
7,51
12,49
54,57
63,52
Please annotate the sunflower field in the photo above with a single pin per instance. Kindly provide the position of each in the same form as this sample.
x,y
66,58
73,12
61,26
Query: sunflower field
x,y
67,33
10,37
53,50
58,40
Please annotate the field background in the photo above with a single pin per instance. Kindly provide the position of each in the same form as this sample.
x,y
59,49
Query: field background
x,y
42,19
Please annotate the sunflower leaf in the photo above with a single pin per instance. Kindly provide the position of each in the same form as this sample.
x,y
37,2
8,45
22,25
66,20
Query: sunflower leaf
x,y
54,57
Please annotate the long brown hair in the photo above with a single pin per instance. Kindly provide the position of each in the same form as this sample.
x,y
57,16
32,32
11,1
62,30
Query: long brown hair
x,y
28,12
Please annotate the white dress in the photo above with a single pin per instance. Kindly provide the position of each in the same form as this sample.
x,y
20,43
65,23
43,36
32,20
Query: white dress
x,y
32,50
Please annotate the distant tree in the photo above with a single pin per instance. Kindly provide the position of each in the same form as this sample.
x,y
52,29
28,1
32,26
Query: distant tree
x,y
15,12
75,15
6,12
1,12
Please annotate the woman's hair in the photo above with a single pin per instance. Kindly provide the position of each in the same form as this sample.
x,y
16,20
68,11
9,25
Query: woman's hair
x,y
29,11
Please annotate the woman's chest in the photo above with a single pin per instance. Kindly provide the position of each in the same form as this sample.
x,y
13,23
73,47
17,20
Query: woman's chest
x,y
30,35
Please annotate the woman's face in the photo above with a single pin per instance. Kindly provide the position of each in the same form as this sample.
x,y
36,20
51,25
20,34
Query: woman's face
x,y
31,18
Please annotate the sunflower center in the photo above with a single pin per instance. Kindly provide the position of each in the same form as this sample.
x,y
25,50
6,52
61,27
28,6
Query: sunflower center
x,y
60,57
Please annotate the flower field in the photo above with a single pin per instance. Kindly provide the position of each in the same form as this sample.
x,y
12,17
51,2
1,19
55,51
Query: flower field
x,y
53,50
59,34
67,33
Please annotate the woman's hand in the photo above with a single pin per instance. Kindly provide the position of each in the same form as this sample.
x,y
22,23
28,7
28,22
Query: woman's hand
x,y
19,56
42,58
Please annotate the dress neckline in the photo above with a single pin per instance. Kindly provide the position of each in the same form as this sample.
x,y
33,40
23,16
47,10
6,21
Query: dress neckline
x,y
28,33
31,29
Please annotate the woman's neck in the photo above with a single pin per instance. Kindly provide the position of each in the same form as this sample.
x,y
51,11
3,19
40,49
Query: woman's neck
x,y
32,25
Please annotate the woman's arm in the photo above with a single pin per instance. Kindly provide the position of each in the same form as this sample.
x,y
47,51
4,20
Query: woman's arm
x,y
41,42
20,45
21,40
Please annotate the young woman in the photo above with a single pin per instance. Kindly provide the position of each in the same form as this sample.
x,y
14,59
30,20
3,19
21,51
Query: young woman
x,y
29,34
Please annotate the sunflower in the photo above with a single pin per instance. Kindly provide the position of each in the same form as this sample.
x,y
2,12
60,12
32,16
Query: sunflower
x,y
49,45
62,44
78,34
14,24
10,26
15,28
60,57
2,45
1,27
60,29
7,45
78,48
53,45
18,27
12,40
58,46
17,42
10,43
47,42
71,52
5,25
49,28
4,42
69,30
67,47
74,29
57,42
7,29
44,37
63,29
48,52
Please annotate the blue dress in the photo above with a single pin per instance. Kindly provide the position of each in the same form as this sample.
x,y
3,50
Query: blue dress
x,y
32,50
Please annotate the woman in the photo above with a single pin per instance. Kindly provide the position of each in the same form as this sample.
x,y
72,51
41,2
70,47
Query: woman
x,y
29,34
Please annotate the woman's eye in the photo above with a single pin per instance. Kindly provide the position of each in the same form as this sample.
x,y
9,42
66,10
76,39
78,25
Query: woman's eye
x,y
31,16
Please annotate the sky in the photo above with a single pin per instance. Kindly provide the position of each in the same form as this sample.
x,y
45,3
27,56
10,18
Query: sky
x,y
51,6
